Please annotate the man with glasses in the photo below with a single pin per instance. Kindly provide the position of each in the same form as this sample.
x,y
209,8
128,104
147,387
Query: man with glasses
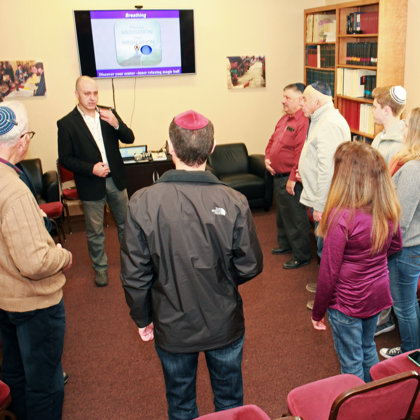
x,y
88,146
32,317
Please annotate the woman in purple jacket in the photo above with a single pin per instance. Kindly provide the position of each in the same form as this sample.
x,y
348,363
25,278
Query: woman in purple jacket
x,y
360,229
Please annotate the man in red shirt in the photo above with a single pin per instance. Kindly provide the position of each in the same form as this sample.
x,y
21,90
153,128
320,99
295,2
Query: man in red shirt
x,y
281,160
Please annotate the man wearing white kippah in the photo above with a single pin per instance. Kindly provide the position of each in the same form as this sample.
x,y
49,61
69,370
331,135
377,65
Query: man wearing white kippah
x,y
388,105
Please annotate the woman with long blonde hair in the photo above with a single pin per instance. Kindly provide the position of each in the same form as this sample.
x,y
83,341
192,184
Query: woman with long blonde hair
x,y
404,267
360,229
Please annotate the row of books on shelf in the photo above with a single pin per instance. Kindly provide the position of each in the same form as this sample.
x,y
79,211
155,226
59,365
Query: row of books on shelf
x,y
358,115
358,83
362,23
320,28
362,53
314,75
321,56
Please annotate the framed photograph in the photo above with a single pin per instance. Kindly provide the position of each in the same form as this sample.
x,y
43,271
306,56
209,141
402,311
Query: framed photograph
x,y
22,78
246,71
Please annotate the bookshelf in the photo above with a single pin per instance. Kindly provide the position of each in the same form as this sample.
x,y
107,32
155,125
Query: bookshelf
x,y
365,39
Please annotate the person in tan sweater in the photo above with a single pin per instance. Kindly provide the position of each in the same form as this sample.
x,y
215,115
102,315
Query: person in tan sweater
x,y
32,317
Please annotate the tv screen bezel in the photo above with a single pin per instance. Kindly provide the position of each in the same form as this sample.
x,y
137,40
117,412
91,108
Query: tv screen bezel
x,y
82,21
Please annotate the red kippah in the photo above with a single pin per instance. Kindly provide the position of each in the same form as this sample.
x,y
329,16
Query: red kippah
x,y
191,120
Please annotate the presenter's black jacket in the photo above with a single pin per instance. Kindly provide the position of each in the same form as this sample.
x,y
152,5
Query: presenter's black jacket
x,y
77,151
189,241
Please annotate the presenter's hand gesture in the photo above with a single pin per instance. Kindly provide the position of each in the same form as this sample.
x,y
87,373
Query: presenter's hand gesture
x,y
108,116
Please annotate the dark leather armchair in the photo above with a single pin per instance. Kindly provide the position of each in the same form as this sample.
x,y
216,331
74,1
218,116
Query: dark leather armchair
x,y
45,184
245,173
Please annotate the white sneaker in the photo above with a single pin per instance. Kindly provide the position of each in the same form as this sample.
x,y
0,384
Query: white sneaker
x,y
390,352
311,287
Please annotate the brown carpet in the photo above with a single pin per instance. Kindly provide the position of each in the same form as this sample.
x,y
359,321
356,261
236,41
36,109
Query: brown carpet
x,y
114,375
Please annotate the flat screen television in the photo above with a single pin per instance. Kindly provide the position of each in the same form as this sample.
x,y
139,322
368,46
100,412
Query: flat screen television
x,y
135,43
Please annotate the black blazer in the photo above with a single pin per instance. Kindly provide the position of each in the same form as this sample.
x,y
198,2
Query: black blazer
x,y
77,151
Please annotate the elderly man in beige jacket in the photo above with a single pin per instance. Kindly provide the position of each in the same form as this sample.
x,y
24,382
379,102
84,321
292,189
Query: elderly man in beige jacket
x,y
32,317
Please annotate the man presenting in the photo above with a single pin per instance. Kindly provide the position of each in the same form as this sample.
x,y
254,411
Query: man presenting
x,y
189,242
88,146
281,160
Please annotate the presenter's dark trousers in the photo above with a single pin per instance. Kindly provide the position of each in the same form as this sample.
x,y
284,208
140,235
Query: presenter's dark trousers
x,y
292,220
32,348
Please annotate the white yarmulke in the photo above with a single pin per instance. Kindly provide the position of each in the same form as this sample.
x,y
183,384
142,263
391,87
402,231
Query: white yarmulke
x,y
7,119
14,120
398,94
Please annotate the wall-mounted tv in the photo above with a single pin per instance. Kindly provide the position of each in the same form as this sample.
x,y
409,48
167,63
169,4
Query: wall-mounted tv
x,y
135,43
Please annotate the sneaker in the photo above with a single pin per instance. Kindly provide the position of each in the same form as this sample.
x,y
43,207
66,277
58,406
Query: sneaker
x,y
101,278
390,352
311,287
310,304
384,328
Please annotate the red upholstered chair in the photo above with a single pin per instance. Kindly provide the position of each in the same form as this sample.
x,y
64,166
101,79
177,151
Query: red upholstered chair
x,y
246,412
68,191
5,401
347,397
392,366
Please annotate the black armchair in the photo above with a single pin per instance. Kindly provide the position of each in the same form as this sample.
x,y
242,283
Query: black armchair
x,y
45,184
245,173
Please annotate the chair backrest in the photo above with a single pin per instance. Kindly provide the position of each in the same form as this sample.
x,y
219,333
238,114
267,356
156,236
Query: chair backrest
x,y
64,174
231,158
246,412
34,170
389,398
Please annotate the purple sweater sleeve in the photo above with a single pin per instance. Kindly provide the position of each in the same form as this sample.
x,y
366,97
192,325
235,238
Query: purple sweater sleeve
x,y
331,262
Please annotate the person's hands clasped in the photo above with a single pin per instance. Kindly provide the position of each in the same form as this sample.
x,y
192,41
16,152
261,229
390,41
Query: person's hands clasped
x,y
101,169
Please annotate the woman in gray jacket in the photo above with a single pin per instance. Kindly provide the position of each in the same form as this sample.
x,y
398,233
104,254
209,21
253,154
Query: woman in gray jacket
x,y
404,267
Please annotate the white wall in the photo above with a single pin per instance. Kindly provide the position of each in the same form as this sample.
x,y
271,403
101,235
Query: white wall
x,y
44,30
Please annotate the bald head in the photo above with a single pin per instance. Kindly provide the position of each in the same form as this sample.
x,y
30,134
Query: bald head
x,y
87,94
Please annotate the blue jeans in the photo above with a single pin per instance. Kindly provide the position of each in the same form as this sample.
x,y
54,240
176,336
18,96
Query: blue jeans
x,y
32,349
354,342
404,271
94,219
180,372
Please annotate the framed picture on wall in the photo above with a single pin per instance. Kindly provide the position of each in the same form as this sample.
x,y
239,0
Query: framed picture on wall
x,y
22,78
246,71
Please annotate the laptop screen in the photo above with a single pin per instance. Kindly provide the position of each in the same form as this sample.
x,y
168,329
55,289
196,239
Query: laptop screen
x,y
127,153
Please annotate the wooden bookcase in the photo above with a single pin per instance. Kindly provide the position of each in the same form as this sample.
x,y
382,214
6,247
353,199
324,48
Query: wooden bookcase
x,y
390,51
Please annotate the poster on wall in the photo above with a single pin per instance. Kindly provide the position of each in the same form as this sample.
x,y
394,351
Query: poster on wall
x,y
22,78
246,71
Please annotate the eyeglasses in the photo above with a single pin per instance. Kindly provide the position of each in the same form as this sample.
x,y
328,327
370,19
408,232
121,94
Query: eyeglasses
x,y
30,134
